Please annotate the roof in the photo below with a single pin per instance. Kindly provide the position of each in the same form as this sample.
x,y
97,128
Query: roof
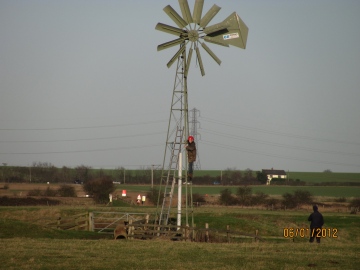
x,y
273,172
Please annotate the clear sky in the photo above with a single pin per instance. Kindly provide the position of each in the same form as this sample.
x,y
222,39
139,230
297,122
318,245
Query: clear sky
x,y
81,83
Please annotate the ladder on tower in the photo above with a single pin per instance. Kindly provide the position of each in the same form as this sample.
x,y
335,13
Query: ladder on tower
x,y
169,176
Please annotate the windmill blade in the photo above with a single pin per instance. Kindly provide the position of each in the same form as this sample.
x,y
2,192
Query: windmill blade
x,y
170,29
176,56
188,62
198,7
217,42
170,44
209,16
216,27
185,10
206,48
175,16
200,61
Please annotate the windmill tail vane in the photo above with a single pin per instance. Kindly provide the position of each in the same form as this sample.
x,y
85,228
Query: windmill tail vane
x,y
193,28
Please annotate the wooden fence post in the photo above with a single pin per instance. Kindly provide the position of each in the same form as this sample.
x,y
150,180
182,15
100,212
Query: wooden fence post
x,y
207,232
193,233
76,223
91,222
256,235
228,233
58,223
131,230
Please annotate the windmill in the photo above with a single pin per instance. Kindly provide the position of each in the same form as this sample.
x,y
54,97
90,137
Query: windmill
x,y
192,33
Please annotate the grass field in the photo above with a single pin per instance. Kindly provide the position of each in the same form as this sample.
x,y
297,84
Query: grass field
x,y
308,177
325,191
25,245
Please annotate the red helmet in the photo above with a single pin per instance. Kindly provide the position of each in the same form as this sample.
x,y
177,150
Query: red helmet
x,y
190,138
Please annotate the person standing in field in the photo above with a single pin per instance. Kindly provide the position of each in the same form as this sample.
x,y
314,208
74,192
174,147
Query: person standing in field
x,y
317,221
191,155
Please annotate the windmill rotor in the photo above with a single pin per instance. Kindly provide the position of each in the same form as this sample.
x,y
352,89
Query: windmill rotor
x,y
192,29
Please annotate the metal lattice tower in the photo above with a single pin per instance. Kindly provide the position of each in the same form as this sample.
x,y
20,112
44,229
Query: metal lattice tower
x,y
194,124
178,130
192,32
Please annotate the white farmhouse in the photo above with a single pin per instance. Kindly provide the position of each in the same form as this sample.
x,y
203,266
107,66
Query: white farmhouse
x,y
271,173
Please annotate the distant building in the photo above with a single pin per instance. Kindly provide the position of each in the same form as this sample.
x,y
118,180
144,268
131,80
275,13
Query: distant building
x,y
271,173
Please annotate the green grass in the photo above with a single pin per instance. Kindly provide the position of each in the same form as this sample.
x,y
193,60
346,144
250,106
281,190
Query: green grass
x,y
25,245
308,177
311,177
321,191
80,254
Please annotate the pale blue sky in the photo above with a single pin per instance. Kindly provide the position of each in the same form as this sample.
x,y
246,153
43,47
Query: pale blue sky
x,y
81,82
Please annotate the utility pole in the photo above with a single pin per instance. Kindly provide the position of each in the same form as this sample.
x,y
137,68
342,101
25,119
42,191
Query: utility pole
x,y
152,175
124,176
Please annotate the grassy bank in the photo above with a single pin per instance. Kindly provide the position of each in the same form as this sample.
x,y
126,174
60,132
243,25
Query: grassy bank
x,y
103,254
26,244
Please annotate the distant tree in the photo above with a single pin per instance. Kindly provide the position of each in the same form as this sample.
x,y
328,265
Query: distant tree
x,y
66,174
82,173
327,171
261,177
248,175
43,172
119,174
152,195
99,189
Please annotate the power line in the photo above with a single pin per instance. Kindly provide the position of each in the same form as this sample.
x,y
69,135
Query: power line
x,y
85,127
276,132
280,144
84,139
274,155
82,151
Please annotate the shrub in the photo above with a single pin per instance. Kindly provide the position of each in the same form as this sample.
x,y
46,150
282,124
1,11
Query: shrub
x,y
66,191
198,198
298,198
49,192
341,199
355,203
226,197
35,192
244,195
289,200
99,189
259,198
272,203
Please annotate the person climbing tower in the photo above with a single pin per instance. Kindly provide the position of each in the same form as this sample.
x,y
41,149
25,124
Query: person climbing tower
x,y
191,154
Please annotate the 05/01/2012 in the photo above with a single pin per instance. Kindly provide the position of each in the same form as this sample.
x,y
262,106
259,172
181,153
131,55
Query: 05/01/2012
x,y
305,232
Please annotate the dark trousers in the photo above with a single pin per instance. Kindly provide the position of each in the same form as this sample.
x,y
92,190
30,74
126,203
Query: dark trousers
x,y
191,167
315,233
